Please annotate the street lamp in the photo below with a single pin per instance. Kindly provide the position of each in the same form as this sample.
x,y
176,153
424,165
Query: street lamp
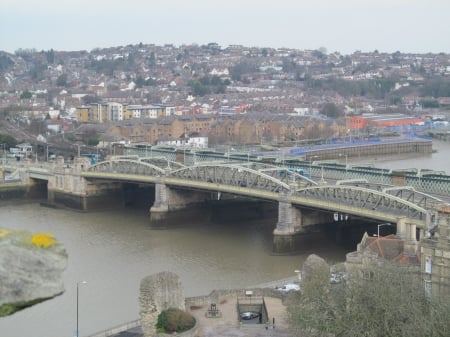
x,y
380,225
3,161
78,285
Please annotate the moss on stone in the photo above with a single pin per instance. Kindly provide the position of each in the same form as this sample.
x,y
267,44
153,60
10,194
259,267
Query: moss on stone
x,y
10,308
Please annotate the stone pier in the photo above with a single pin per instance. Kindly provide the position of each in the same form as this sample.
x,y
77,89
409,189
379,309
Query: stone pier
x,y
407,232
294,226
172,204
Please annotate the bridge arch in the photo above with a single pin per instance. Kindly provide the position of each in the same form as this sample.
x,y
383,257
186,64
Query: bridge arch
x,y
125,166
162,162
363,199
288,176
232,175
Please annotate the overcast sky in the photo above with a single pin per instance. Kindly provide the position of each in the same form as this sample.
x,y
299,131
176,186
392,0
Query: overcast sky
x,y
338,25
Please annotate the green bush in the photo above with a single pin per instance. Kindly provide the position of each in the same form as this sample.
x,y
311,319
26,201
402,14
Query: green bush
x,y
174,320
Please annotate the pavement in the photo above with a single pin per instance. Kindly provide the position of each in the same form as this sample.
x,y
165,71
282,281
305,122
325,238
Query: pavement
x,y
228,324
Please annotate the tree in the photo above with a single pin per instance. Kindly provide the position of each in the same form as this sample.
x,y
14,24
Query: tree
x,y
5,63
61,81
8,140
152,59
436,87
205,85
429,103
198,89
243,67
377,300
320,54
174,320
139,82
93,140
88,99
26,95
50,55
330,110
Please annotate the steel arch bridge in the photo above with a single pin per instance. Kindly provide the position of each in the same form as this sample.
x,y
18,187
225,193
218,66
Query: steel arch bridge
x,y
361,201
268,182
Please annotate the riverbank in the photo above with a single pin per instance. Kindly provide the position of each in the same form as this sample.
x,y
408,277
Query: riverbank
x,y
228,322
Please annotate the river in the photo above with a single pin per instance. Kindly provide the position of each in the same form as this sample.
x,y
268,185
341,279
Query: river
x,y
114,250
438,161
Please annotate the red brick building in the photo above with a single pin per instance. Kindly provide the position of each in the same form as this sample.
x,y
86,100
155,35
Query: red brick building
x,y
382,121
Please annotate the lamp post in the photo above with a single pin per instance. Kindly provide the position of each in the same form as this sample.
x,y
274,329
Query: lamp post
x,y
380,225
78,286
3,161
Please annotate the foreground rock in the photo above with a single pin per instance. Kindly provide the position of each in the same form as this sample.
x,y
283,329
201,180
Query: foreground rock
x,y
31,269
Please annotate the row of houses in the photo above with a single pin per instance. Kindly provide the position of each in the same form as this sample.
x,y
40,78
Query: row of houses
x,y
113,111
245,129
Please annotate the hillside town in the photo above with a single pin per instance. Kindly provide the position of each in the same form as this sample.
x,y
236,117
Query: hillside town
x,y
229,95
63,115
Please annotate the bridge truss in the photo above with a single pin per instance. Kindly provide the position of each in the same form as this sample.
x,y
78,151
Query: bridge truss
x,y
126,166
275,181
364,199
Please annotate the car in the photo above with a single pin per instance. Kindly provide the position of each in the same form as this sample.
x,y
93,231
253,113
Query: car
x,y
247,315
289,287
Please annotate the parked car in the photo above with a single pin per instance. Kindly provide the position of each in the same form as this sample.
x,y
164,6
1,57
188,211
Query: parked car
x,y
249,315
288,287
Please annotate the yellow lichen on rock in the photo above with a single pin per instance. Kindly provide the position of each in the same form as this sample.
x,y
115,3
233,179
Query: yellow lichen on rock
x,y
4,232
43,240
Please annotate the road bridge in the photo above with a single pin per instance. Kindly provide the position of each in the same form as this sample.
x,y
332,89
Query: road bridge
x,y
302,202
268,182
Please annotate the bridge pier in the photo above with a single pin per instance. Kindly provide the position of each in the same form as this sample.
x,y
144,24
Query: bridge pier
x,y
161,203
294,226
171,204
407,232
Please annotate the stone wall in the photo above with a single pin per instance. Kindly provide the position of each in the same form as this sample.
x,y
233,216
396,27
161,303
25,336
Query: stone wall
x,y
435,255
159,292
217,295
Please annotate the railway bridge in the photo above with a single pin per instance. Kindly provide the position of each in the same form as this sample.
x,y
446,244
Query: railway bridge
x,y
302,202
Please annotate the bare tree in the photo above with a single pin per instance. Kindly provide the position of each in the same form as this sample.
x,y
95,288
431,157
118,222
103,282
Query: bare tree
x,y
376,301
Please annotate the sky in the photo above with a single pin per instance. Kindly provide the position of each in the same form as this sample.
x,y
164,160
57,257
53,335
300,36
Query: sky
x,y
345,26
